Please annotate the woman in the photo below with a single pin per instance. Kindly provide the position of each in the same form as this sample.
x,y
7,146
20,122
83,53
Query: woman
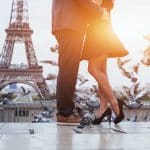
x,y
102,43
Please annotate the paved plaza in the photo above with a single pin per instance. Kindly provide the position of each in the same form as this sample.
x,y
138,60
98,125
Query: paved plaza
x,y
50,136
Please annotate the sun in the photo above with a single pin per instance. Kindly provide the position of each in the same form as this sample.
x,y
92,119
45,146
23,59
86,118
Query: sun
x,y
130,26
127,30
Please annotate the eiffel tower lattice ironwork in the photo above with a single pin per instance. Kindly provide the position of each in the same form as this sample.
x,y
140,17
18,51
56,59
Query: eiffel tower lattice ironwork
x,y
19,31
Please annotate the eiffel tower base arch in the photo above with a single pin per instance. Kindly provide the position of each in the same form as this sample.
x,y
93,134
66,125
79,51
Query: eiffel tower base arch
x,y
32,77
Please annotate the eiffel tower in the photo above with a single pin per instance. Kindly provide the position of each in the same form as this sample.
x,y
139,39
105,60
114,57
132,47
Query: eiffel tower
x,y
19,31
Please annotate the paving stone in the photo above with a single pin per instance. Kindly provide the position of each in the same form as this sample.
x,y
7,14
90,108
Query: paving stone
x,y
50,136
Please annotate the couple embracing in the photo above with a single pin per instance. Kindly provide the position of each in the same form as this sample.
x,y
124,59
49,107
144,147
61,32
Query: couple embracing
x,y
84,32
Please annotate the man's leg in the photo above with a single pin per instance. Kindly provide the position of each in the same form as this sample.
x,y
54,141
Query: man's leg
x,y
70,50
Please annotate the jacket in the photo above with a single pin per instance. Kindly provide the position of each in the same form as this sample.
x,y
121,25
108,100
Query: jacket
x,y
73,14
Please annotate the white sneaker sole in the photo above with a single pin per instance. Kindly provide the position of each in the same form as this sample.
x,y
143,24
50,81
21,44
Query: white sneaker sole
x,y
68,124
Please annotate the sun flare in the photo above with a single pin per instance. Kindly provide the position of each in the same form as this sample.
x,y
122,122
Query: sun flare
x,y
130,25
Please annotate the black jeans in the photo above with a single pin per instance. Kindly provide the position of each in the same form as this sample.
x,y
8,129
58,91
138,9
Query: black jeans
x,y
70,51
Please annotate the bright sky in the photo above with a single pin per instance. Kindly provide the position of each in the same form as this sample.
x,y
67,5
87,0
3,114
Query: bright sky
x,y
130,20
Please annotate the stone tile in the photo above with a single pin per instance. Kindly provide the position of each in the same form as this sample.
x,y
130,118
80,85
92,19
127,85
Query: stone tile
x,y
126,135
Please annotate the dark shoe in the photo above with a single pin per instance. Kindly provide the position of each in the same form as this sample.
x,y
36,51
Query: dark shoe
x,y
72,120
119,118
107,113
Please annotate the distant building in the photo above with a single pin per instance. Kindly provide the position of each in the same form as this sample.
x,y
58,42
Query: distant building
x,y
22,112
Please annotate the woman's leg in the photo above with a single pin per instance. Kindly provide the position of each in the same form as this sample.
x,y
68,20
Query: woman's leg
x,y
97,71
102,95
103,103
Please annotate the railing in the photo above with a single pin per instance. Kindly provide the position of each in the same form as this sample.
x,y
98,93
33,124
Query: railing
x,y
18,66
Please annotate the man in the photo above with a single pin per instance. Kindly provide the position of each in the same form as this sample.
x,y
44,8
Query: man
x,y
69,24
